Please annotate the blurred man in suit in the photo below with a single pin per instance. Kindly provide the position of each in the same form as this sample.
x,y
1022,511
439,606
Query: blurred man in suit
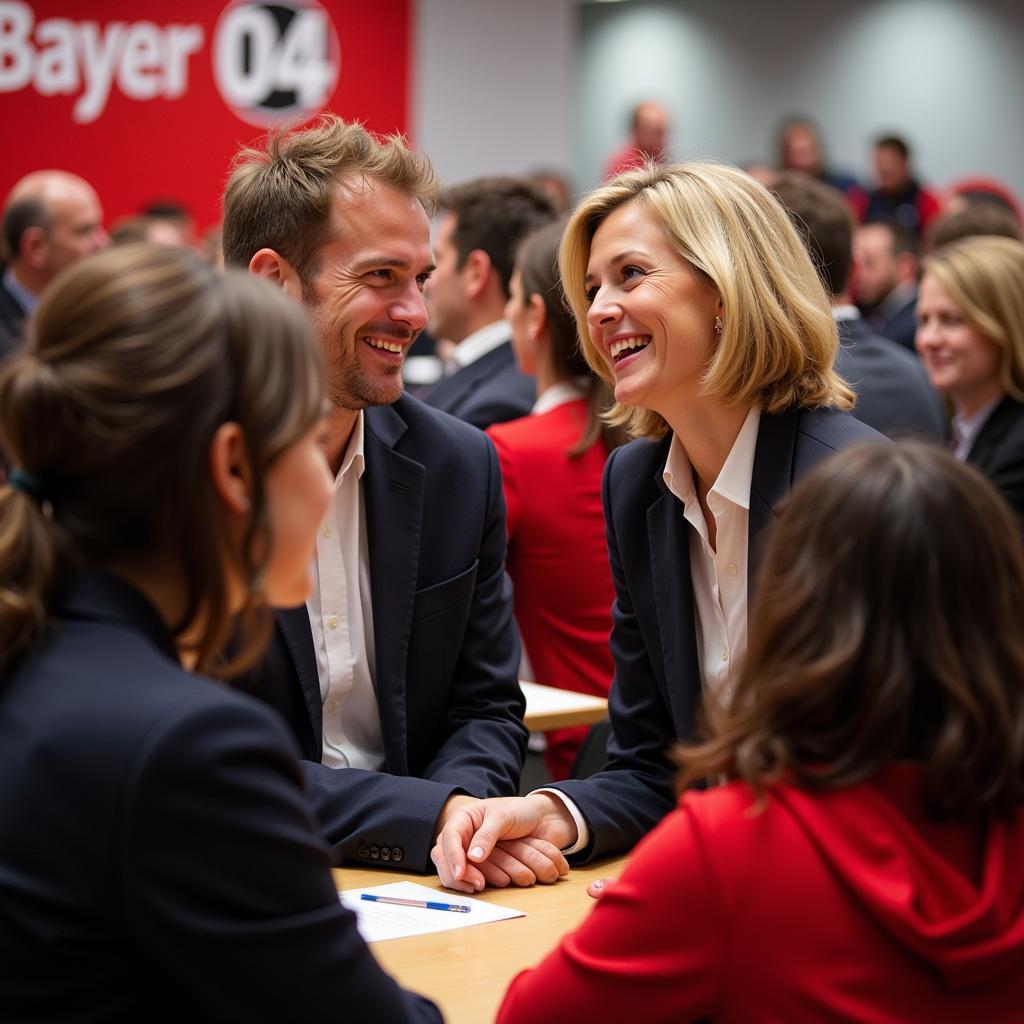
x,y
893,393
51,218
885,284
476,243
399,675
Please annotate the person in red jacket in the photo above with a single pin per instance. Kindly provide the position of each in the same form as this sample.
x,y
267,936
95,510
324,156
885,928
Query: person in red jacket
x,y
551,465
866,862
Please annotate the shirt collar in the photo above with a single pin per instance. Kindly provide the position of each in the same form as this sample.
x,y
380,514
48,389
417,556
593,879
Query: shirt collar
x,y
480,342
845,312
967,428
354,453
558,394
26,299
733,481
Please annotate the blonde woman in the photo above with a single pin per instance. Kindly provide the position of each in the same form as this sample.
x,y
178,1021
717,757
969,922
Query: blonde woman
x,y
970,335
699,305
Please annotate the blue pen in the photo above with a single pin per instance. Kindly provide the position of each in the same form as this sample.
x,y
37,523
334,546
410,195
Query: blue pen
x,y
459,908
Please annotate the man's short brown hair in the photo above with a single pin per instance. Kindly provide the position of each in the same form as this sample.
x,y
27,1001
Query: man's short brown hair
x,y
279,196
823,219
494,214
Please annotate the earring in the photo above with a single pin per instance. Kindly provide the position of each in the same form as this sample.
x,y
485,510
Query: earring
x,y
718,326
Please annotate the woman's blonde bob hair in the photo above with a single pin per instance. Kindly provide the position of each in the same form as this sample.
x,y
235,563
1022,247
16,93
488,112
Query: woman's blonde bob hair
x,y
984,276
779,340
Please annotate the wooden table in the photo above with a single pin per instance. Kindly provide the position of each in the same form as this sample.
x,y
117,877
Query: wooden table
x,y
550,708
467,971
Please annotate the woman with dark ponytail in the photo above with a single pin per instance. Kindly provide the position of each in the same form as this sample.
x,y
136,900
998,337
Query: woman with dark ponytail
x,y
551,464
157,857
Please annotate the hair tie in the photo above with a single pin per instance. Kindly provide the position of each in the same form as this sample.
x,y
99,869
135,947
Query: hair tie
x,y
24,481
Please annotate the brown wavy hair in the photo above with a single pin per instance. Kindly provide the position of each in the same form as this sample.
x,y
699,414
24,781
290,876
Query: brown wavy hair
x,y
279,194
887,625
133,359
537,263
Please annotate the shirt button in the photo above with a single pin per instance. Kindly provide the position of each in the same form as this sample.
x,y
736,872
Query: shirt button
x,y
725,655
332,704
732,569
333,622
327,531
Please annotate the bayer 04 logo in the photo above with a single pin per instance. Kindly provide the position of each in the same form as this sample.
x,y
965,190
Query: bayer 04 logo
x,y
276,62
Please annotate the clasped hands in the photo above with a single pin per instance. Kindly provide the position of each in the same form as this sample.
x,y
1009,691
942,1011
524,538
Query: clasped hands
x,y
502,841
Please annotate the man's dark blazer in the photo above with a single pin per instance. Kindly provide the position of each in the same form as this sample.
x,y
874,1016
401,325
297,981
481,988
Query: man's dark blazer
x,y
655,694
998,451
899,325
893,392
490,390
158,859
12,319
447,650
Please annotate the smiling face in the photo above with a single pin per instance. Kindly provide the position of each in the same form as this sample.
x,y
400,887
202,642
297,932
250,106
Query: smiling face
x,y
367,297
651,318
960,362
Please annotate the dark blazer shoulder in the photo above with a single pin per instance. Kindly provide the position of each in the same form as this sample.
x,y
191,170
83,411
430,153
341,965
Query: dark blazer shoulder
x,y
832,428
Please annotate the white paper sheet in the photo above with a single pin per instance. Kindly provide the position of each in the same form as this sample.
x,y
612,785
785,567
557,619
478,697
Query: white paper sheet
x,y
380,921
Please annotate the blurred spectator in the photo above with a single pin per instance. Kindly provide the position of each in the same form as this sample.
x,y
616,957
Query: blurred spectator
x,y
51,219
483,223
886,260
145,229
982,190
648,140
971,339
800,148
971,218
555,185
175,224
898,196
893,393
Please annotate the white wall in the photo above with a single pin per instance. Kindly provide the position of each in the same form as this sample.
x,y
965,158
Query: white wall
x,y
508,85
493,87
948,74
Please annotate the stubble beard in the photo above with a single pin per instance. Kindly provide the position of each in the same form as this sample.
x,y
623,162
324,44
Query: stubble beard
x,y
349,387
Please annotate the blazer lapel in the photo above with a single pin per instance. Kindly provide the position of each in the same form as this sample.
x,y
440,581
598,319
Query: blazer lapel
x,y
393,489
770,482
298,638
668,537
991,434
449,394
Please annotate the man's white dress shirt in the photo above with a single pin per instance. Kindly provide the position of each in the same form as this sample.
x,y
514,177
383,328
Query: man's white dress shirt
x,y
341,618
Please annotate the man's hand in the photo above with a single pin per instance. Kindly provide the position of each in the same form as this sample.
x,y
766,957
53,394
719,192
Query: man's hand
x,y
504,840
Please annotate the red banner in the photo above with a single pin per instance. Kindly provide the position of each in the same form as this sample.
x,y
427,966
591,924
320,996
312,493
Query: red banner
x,y
149,100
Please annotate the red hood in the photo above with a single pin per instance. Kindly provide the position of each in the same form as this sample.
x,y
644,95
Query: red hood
x,y
928,885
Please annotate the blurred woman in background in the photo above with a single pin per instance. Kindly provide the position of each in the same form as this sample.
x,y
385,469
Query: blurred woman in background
x,y
157,857
970,336
551,465
866,860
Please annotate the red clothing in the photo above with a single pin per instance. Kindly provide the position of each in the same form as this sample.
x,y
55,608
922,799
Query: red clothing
x,y
629,158
842,906
557,558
